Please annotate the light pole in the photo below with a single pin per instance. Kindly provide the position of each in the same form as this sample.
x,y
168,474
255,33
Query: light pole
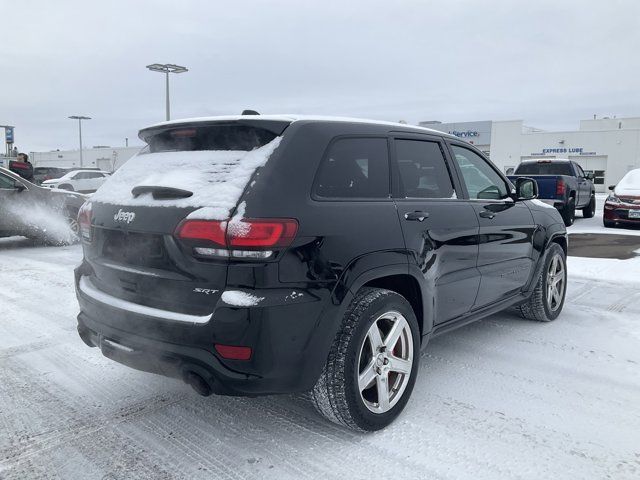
x,y
167,68
80,118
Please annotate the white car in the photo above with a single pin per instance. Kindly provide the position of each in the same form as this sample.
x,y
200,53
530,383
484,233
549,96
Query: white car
x,y
84,181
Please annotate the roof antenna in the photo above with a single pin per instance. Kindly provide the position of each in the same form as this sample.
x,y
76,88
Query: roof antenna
x,y
250,112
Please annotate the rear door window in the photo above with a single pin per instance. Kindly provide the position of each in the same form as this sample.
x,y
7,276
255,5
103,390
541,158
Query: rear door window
x,y
354,168
423,169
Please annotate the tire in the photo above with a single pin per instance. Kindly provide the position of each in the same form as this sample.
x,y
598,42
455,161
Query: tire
x,y
590,210
569,212
66,186
608,223
337,394
539,306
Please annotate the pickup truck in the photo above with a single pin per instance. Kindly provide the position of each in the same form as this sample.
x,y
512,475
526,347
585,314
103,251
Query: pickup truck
x,y
561,183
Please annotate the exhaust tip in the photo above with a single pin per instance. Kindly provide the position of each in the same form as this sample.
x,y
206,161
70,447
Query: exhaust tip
x,y
86,337
198,384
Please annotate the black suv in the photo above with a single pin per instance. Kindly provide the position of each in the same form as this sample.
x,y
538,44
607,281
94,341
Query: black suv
x,y
258,255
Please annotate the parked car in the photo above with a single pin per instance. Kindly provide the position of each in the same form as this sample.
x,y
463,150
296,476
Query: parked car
x,y
84,181
279,254
40,174
563,184
36,212
622,206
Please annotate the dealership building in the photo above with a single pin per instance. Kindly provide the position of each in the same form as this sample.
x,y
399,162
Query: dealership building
x,y
105,158
607,147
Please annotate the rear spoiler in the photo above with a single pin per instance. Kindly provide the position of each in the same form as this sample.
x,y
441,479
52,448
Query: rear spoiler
x,y
274,126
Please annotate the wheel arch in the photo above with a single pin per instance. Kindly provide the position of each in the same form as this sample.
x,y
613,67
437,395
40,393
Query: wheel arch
x,y
407,286
554,234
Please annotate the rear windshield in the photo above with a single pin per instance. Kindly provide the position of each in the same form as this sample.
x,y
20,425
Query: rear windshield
x,y
212,137
535,168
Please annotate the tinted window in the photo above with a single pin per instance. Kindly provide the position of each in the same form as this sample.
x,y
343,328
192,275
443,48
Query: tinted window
x,y
544,168
423,169
93,175
354,168
6,182
481,179
579,169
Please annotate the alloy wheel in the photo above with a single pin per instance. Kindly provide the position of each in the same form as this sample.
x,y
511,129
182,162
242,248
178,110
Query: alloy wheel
x,y
385,362
555,283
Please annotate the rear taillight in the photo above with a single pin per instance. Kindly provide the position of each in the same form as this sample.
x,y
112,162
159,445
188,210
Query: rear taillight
x,y
561,187
246,238
233,352
84,222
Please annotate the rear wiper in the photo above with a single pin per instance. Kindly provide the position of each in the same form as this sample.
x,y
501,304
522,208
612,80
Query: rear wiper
x,y
161,193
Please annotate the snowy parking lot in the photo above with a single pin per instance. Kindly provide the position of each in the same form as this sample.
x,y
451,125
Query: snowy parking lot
x,y
503,398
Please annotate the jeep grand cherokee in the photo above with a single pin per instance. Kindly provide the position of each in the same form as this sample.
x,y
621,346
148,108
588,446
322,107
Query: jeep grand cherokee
x,y
256,255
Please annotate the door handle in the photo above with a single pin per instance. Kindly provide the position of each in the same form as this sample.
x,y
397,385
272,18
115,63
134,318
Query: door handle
x,y
416,216
487,214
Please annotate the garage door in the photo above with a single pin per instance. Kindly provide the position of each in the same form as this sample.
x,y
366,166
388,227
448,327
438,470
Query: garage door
x,y
595,165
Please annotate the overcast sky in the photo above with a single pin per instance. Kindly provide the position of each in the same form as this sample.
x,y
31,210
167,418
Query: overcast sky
x,y
550,63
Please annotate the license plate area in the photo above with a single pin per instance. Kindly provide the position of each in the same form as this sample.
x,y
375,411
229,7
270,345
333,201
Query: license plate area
x,y
634,214
133,248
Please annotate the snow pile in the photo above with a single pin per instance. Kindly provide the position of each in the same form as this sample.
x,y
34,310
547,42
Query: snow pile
x,y
42,221
236,298
216,178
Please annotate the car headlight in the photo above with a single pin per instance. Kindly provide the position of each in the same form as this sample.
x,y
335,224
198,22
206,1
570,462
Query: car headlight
x,y
613,199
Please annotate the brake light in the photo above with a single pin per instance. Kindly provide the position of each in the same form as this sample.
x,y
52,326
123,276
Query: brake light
x,y
561,187
258,236
212,231
261,233
232,352
84,221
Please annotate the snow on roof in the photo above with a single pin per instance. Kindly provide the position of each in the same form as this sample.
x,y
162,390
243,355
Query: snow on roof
x,y
297,118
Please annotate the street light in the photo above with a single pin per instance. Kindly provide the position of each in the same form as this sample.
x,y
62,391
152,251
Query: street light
x,y
80,118
167,68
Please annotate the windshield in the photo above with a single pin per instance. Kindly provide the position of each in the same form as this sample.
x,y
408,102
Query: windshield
x,y
543,168
631,180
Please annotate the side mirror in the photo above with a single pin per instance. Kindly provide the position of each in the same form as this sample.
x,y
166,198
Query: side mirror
x,y
611,187
19,186
526,188
589,176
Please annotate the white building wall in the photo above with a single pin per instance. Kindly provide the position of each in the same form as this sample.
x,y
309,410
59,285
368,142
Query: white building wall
x,y
618,149
108,159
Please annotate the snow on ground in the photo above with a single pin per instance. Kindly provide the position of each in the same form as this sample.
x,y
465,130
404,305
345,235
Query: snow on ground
x,y
503,398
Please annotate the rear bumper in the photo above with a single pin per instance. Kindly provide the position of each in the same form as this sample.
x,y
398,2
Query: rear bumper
x,y
289,341
163,358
